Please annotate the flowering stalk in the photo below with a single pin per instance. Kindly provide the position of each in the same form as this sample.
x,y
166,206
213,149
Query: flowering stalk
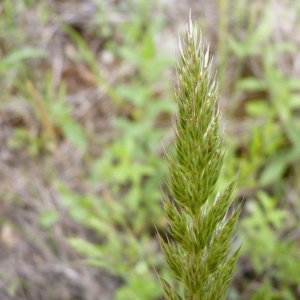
x,y
200,227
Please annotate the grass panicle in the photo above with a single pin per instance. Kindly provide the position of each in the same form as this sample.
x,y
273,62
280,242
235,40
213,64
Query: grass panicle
x,y
198,250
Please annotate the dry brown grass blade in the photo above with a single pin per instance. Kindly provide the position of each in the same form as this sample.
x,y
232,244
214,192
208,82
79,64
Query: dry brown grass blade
x,y
41,111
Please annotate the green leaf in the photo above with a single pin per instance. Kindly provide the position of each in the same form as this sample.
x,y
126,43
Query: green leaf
x,y
48,218
257,108
19,55
86,248
75,134
251,83
276,167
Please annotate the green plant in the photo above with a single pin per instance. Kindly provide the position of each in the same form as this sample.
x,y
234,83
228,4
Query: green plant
x,y
130,168
269,145
267,153
280,107
200,226
55,116
273,253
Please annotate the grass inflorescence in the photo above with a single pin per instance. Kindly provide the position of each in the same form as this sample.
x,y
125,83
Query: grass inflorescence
x,y
201,232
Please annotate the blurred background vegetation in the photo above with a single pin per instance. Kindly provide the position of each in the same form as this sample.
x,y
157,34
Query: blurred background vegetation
x,y
86,108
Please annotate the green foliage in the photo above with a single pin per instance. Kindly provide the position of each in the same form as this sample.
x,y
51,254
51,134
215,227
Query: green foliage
x,y
201,232
19,55
54,115
267,159
22,137
281,92
122,252
60,116
273,255
48,218
260,101
130,168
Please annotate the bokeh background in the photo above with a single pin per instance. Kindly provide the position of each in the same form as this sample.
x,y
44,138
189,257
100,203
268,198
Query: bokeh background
x,y
86,107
